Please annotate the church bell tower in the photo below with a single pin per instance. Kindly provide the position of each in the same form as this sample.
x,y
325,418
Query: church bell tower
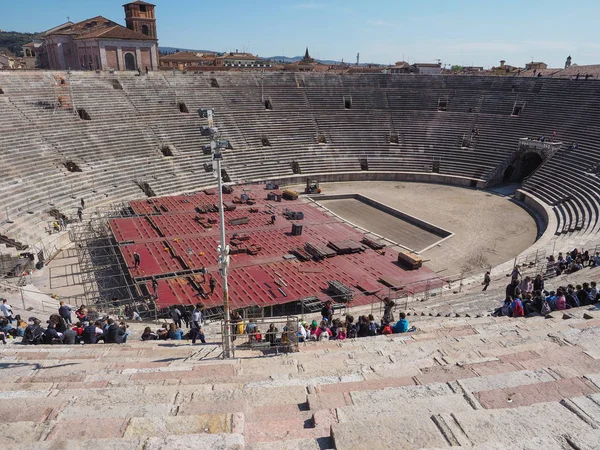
x,y
139,17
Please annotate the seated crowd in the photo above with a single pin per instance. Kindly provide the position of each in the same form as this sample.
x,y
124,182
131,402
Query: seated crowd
x,y
528,298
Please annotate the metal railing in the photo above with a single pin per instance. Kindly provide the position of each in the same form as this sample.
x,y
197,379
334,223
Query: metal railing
x,y
268,336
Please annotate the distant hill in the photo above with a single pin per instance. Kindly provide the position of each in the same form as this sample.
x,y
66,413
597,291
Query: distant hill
x,y
12,41
287,59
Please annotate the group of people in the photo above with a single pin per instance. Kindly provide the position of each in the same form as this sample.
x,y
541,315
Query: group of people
x,y
174,330
528,297
573,261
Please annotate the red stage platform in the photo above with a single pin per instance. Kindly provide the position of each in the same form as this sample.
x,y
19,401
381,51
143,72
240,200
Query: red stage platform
x,y
173,238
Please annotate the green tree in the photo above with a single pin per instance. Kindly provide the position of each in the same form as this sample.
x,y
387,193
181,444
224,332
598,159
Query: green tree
x,y
456,68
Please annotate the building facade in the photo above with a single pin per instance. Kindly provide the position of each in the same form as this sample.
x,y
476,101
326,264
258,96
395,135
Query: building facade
x,y
101,44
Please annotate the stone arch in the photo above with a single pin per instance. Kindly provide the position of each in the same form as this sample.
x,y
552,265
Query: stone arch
x,y
145,30
129,61
523,167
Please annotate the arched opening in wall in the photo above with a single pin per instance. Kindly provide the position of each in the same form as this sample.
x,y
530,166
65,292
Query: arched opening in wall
x,y
116,84
72,166
364,164
83,115
322,139
182,107
442,104
517,110
347,102
129,61
522,167
265,141
145,30
531,161
394,138
214,82
268,104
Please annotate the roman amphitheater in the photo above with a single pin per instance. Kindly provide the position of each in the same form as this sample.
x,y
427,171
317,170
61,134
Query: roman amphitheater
x,y
466,173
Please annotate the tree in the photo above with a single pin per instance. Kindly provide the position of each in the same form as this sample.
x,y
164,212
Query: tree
x,y
456,68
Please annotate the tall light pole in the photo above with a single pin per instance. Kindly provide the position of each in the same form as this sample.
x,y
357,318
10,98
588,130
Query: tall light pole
x,y
216,146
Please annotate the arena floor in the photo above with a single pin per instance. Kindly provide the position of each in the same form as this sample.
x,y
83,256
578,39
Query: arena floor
x,y
489,229
382,223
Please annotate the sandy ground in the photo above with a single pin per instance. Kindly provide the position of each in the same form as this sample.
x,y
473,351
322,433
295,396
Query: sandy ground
x,y
489,229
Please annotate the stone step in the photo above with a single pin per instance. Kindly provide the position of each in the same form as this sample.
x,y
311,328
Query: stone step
x,y
229,441
491,427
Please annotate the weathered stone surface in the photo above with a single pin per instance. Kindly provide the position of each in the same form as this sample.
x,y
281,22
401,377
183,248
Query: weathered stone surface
x,y
170,425
88,429
404,433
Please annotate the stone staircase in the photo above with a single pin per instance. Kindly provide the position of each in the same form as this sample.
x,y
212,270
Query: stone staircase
x,y
455,382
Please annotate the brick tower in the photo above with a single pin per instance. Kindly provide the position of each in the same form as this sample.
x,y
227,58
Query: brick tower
x,y
139,17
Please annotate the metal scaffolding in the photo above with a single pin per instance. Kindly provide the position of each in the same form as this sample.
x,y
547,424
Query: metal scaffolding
x,y
105,277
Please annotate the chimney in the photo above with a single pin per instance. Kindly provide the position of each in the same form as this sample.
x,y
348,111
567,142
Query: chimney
x,y
502,63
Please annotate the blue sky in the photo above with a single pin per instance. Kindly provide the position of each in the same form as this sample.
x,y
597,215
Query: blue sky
x,y
455,31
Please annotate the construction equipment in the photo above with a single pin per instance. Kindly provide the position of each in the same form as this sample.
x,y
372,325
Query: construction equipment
x,y
312,187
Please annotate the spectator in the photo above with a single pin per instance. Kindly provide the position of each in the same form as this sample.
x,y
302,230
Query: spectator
x,y
69,337
373,326
388,308
402,325
341,334
272,334
504,310
327,311
82,314
175,333
323,332
538,283
114,333
560,301
363,327
136,259
235,320
593,292
176,316
163,332
78,328
526,285
516,273
34,333
213,284
486,281
301,332
126,333
51,336
148,335
197,331
6,310
64,311
511,288
516,308
91,332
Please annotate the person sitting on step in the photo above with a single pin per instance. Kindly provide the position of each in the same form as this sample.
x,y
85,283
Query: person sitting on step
x,y
402,325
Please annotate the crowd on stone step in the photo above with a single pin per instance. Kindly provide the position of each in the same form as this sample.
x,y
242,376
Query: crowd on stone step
x,y
573,261
347,327
528,298
174,330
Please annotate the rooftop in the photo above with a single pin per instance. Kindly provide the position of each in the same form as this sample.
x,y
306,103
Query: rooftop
x,y
98,27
